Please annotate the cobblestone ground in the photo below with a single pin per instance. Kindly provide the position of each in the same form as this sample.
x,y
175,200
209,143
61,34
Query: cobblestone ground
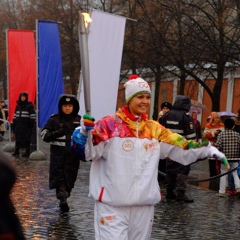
x,y
209,217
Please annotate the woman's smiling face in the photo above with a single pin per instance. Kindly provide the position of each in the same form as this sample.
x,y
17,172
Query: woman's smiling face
x,y
139,104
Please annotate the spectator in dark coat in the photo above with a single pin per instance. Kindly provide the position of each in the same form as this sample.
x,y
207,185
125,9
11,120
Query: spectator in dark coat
x,y
10,226
179,121
64,163
23,122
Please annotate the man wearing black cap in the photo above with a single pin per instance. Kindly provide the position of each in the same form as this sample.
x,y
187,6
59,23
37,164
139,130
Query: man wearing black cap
x,y
165,107
64,164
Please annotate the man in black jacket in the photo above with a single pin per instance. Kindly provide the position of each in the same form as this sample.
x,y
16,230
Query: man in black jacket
x,y
23,122
179,121
64,163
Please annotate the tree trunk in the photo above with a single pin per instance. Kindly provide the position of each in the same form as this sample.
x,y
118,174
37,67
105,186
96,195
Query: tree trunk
x,y
182,83
217,92
157,87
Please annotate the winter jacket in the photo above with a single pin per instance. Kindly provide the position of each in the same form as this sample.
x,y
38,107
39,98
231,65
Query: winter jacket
x,y
179,121
64,164
228,141
125,155
211,128
23,122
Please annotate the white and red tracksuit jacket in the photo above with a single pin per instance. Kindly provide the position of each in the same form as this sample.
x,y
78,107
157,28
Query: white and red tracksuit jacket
x,y
126,152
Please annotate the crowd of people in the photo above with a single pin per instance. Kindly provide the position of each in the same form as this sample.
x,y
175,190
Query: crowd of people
x,y
222,133
127,150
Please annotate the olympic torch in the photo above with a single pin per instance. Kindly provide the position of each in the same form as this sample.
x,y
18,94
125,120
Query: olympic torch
x,y
83,28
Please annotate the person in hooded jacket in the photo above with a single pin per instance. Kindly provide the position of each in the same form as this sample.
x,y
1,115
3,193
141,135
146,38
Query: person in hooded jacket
x,y
179,121
23,122
10,225
64,163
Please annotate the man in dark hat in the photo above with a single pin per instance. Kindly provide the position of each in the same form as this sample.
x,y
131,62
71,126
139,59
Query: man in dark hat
x,y
165,107
64,163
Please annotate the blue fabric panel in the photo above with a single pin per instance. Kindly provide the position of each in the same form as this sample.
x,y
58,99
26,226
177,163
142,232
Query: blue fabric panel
x,y
50,79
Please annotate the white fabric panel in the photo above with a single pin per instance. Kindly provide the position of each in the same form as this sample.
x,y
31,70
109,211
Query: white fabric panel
x,y
105,44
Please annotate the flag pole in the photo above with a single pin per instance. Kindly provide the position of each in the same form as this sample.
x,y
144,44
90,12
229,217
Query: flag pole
x,y
83,30
8,147
37,155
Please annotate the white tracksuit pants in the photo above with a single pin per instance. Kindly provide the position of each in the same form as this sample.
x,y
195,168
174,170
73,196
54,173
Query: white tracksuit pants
x,y
123,223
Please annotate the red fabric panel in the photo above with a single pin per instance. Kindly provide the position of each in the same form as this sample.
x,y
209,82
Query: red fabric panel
x,y
21,67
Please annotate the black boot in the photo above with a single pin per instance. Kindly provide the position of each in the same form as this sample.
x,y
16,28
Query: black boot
x,y
182,197
27,153
170,195
64,205
16,152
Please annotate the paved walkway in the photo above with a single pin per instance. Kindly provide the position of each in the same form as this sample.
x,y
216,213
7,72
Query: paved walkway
x,y
209,217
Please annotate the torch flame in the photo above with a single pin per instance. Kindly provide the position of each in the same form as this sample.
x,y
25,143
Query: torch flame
x,y
87,19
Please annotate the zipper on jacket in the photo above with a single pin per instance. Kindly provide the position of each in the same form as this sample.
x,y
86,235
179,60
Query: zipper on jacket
x,y
138,163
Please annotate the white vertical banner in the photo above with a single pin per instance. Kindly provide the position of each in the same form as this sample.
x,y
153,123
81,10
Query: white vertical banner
x,y
105,45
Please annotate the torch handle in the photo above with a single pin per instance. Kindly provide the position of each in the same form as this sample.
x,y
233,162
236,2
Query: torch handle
x,y
83,45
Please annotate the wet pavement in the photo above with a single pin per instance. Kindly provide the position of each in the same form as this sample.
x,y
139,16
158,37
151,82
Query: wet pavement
x,y
209,217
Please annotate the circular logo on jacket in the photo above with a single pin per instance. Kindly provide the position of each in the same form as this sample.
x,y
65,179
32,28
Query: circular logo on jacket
x,y
127,145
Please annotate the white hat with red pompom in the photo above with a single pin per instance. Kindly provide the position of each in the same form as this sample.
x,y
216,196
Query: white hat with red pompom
x,y
135,86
